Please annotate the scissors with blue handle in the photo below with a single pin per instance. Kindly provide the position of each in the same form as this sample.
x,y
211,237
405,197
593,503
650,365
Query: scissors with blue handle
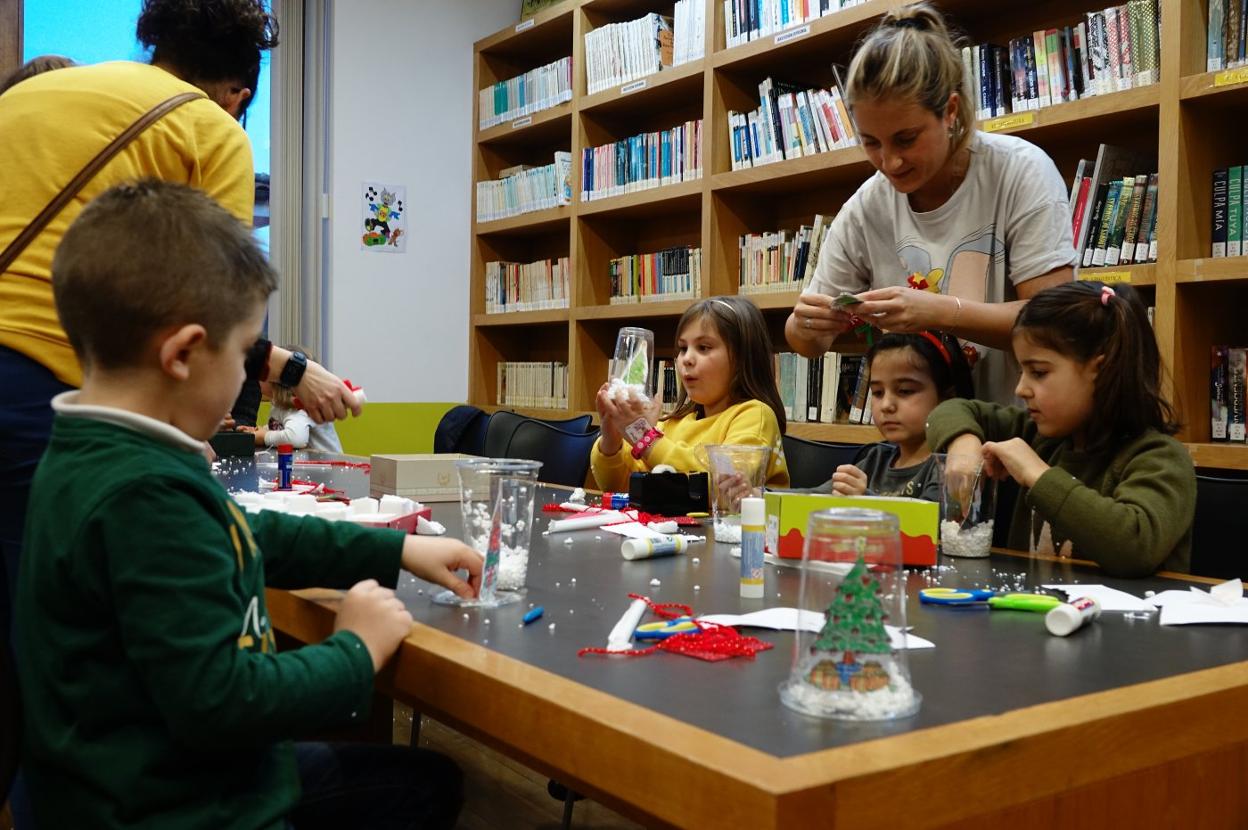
x,y
954,596
664,629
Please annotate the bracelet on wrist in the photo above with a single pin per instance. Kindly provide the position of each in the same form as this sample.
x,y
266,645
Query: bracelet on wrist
x,y
636,430
645,442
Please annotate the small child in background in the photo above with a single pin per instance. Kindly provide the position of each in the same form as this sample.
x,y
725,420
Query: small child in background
x,y
728,396
1102,477
35,66
290,425
910,375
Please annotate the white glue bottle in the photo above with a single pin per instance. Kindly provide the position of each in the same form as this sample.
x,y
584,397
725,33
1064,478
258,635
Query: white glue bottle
x,y
651,548
1069,617
753,517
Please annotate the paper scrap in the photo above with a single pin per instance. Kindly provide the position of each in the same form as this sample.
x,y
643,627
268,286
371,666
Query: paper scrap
x,y
1110,599
1223,603
788,619
634,530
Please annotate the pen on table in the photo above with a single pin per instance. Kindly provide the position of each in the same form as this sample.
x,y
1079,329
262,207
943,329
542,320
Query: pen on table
x,y
533,614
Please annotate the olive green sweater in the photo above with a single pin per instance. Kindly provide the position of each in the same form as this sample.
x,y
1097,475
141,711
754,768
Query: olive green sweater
x,y
154,695
1128,508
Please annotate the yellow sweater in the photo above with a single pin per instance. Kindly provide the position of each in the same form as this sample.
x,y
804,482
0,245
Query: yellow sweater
x,y
749,422
50,127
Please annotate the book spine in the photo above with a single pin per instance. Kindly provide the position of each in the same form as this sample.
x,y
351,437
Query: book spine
x,y
1127,251
1095,220
1146,220
1214,38
1235,427
1107,222
1218,249
1218,409
1042,67
1234,210
1029,65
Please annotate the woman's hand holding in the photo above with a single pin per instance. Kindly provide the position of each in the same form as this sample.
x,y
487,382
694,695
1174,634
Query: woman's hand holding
x,y
817,316
906,310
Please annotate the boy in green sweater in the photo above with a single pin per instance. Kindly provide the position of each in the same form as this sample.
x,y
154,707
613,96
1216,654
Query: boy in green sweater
x,y
153,691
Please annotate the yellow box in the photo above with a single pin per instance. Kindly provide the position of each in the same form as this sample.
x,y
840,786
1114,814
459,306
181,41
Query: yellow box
x,y
420,476
788,516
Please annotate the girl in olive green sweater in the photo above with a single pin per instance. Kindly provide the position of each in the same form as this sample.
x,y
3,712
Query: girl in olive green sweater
x,y
1102,477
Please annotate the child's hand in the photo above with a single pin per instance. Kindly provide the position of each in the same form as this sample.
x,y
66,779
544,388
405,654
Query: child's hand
x,y
732,488
260,432
376,616
848,480
436,560
1017,458
964,463
610,439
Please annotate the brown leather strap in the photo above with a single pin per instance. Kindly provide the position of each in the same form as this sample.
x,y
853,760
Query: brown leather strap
x,y
88,172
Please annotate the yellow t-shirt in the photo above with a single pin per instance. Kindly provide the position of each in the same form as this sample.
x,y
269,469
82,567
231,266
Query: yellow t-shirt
x,y
50,127
750,422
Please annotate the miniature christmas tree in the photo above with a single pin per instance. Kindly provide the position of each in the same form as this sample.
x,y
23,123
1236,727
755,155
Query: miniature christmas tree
x,y
855,618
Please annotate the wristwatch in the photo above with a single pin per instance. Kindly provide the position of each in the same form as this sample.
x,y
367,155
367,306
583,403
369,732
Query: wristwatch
x,y
293,371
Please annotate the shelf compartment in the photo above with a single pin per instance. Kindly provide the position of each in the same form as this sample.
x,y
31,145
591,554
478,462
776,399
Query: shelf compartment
x,y
1225,88
550,127
492,345
835,168
662,90
539,221
664,308
544,33
1206,314
1219,456
832,34
1213,269
666,199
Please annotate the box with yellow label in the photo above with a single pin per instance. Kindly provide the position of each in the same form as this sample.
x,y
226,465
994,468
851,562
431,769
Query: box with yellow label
x,y
420,476
788,516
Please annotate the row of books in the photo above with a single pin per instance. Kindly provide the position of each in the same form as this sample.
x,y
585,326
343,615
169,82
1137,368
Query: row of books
x,y
779,261
668,380
642,161
1227,393
536,90
627,51
746,20
689,31
540,384
790,122
1227,34
523,189
1105,207
1111,50
530,286
670,274
1229,210
828,389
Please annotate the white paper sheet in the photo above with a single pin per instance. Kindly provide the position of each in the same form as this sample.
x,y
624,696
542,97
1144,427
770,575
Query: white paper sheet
x,y
1110,599
1223,603
634,530
788,619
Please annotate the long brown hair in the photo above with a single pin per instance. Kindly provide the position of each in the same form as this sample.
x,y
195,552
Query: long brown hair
x,y
1086,320
741,326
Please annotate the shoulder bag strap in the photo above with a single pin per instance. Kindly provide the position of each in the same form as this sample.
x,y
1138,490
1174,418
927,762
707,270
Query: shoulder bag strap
x,y
88,172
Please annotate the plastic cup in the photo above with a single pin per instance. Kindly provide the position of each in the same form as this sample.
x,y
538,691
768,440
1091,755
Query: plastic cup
x,y
631,367
853,587
968,504
737,471
496,498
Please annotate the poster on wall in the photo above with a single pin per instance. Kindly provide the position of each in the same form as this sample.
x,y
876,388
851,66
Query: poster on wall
x,y
385,225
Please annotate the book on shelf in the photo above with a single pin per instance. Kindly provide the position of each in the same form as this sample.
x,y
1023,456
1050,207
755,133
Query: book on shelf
x,y
688,31
1114,208
1114,49
1226,34
831,388
670,274
618,53
514,286
669,384
1230,210
1219,231
536,90
747,20
1236,401
791,121
1219,394
537,384
643,161
781,260
523,189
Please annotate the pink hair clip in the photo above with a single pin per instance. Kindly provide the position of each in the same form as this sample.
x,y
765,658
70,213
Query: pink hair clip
x,y
1107,294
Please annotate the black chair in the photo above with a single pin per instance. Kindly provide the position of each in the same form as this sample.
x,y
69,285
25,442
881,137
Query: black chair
x,y
564,455
461,429
10,722
811,463
498,433
1220,527
579,424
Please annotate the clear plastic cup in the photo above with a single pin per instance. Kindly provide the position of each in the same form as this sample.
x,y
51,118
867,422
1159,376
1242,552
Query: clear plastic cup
x,y
631,370
737,471
853,587
968,504
496,498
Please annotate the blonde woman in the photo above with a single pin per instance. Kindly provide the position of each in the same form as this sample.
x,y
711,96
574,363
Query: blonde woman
x,y
979,222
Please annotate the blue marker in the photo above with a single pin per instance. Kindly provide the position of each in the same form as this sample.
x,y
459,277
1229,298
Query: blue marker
x,y
533,614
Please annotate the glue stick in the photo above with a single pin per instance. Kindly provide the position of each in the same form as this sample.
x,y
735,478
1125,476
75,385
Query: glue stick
x,y
285,465
753,515
651,548
1070,616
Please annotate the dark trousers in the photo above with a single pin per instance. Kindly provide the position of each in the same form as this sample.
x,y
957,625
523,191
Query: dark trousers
x,y
376,786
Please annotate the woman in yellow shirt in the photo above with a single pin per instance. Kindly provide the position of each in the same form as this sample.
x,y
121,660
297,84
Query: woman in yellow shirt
x,y
728,396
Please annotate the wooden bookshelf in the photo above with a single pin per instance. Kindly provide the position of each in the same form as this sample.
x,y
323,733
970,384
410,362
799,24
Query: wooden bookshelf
x,y
1183,120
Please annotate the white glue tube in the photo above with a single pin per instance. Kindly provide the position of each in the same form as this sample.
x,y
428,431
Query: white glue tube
x,y
651,548
621,637
753,517
607,517
1069,617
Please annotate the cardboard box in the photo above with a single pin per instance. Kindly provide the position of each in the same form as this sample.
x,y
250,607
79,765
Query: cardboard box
x,y
406,523
426,477
788,516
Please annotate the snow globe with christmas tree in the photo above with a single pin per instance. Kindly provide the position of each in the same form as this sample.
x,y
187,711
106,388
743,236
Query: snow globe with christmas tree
x,y
852,578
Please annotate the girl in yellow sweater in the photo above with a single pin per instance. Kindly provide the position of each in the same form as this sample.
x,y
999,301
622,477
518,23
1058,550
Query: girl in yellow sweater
x,y
728,396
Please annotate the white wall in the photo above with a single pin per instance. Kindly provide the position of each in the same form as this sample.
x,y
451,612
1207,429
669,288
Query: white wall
x,y
401,113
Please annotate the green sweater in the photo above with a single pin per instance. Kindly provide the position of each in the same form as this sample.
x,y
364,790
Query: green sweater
x,y
153,692
1128,508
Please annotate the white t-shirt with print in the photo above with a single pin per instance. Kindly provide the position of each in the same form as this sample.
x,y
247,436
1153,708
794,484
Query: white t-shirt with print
x,y
1007,222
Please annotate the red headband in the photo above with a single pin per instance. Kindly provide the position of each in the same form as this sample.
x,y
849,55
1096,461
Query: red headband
x,y
940,347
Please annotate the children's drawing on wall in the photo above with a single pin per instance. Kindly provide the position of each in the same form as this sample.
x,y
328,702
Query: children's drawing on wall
x,y
385,228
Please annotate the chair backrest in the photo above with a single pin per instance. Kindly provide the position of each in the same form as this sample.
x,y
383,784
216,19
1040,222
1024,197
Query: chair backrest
x,y
462,429
579,424
499,431
1220,527
811,463
564,455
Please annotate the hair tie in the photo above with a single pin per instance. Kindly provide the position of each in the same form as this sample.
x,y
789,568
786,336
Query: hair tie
x,y
909,23
725,304
1107,294
940,347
